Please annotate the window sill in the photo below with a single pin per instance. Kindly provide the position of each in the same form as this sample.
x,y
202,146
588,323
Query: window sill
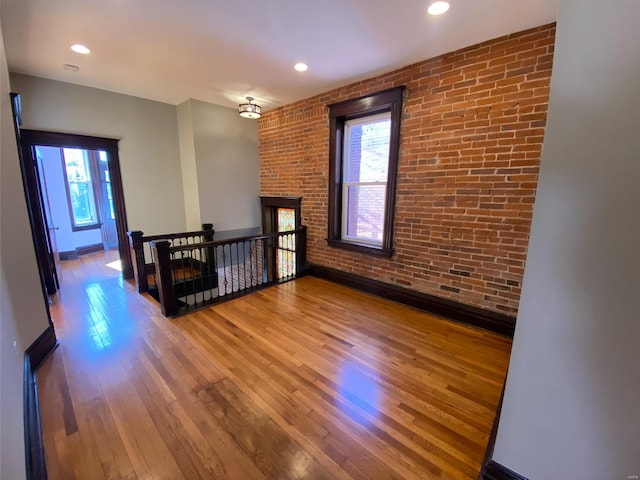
x,y
94,226
365,249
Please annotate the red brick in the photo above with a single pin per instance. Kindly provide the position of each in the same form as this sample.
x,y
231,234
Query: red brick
x,y
472,132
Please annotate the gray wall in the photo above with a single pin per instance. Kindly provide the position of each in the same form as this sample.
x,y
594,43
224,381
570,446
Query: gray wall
x,y
228,172
181,166
189,167
571,406
148,134
22,312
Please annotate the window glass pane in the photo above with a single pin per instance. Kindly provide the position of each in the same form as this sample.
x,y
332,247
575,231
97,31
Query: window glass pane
x,y
102,155
286,263
366,165
112,214
366,149
81,204
286,219
286,251
107,181
77,167
81,193
364,212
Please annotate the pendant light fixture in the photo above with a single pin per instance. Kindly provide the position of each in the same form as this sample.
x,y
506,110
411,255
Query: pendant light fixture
x,y
249,109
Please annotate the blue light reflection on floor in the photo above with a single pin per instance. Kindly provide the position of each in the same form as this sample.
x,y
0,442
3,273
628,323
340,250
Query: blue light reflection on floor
x,y
362,392
108,330
99,328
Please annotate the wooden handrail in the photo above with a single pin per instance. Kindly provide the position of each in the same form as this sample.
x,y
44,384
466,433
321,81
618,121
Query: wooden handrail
x,y
302,229
207,228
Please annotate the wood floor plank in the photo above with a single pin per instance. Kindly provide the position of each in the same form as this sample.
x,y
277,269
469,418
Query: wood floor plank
x,y
310,389
307,379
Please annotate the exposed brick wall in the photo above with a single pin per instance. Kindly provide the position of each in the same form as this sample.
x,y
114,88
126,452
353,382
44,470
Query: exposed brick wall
x,y
471,138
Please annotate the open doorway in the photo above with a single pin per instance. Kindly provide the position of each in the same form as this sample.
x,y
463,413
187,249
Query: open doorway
x,y
282,214
75,198
78,200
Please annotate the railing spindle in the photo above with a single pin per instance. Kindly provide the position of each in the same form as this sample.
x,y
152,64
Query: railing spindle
x,y
238,280
206,272
253,271
231,273
224,270
154,283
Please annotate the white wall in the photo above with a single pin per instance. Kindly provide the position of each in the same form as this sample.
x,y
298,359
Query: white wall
x,y
148,134
571,406
22,312
228,171
51,170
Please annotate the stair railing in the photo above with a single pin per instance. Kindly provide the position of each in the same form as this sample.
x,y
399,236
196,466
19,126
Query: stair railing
x,y
142,256
194,276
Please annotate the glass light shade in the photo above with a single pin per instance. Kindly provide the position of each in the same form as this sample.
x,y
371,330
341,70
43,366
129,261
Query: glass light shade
x,y
249,110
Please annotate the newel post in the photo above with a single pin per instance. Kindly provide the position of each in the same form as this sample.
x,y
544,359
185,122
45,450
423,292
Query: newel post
x,y
210,256
301,250
270,254
208,227
136,244
162,259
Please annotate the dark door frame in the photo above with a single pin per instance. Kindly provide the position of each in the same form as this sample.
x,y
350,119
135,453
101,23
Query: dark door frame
x,y
29,140
17,121
269,207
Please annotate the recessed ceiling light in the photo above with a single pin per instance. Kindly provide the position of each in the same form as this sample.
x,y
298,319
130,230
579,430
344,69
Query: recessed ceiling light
x,y
438,8
79,48
301,67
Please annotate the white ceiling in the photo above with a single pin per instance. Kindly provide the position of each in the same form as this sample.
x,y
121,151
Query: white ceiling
x,y
219,51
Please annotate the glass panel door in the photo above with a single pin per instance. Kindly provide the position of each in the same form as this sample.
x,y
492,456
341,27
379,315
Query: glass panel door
x,y
286,259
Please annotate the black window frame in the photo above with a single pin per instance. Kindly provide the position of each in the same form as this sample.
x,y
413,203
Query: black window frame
x,y
339,113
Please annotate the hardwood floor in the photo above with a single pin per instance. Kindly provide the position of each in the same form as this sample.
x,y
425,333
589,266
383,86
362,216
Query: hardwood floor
x,y
306,380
